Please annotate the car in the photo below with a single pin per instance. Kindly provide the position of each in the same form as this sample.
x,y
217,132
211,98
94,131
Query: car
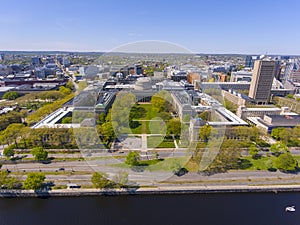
x,y
61,169
121,152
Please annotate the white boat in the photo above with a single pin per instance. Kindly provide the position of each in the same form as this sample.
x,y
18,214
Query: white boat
x,y
290,209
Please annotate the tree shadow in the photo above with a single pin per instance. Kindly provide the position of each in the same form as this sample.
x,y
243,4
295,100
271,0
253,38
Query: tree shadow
x,y
181,172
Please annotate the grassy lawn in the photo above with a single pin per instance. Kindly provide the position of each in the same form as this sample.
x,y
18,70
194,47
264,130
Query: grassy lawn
x,y
157,164
150,112
158,142
256,164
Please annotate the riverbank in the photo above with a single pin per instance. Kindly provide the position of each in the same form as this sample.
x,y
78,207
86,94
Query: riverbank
x,y
148,191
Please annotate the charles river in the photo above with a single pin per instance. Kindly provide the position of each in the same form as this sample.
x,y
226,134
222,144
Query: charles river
x,y
183,209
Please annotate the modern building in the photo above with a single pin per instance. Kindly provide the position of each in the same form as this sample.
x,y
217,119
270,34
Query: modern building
x,y
262,79
249,62
269,122
240,76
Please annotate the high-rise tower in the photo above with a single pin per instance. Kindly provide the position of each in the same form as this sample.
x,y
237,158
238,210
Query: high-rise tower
x,y
262,79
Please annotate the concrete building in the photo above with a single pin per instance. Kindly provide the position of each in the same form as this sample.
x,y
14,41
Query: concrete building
x,y
262,79
240,76
269,122
222,85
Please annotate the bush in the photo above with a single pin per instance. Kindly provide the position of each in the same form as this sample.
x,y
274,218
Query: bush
x,y
286,162
39,153
100,180
132,158
34,181
10,95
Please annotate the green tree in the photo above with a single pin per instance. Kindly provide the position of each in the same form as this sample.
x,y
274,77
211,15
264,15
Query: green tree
x,y
100,180
66,120
102,118
286,162
70,85
276,133
65,91
9,182
39,153
174,126
13,132
34,181
205,115
121,179
253,151
10,95
158,103
279,148
175,166
133,158
107,132
206,132
9,152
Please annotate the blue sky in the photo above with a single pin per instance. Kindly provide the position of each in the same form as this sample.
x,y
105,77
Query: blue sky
x,y
211,26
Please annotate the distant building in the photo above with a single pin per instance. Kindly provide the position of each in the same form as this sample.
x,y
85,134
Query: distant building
x,y
2,56
36,61
250,59
40,73
241,76
262,79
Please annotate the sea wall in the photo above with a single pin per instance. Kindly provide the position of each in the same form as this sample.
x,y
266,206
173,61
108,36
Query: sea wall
x,y
149,191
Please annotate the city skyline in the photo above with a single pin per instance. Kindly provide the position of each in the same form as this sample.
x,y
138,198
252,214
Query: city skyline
x,y
230,27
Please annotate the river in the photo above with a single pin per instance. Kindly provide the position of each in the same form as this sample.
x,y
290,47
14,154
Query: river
x,y
183,209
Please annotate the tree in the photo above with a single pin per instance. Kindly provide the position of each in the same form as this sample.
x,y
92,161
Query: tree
x,y
107,132
175,166
66,120
132,158
206,132
102,118
174,127
205,115
286,162
276,133
65,91
121,179
13,132
9,182
279,148
39,153
253,151
10,95
9,152
158,103
34,181
70,85
165,116
100,180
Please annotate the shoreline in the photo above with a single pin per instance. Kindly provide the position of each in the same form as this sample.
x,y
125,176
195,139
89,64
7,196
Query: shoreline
x,y
149,191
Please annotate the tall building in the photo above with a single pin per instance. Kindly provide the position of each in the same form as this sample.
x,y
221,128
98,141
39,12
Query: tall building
x,y
249,61
262,79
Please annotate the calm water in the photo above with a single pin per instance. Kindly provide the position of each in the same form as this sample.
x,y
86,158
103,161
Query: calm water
x,y
223,209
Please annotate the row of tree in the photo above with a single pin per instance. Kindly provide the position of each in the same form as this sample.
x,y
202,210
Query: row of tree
x,y
24,137
34,181
289,136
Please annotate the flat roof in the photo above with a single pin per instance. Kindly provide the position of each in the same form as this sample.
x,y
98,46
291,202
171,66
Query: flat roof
x,y
3,89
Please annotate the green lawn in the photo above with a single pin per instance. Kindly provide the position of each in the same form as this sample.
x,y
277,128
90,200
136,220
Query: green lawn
x,y
158,164
158,142
150,112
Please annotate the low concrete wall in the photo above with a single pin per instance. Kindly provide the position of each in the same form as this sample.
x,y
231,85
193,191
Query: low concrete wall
x,y
148,191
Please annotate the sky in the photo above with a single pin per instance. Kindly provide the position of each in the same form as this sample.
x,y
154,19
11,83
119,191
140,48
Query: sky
x,y
210,26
